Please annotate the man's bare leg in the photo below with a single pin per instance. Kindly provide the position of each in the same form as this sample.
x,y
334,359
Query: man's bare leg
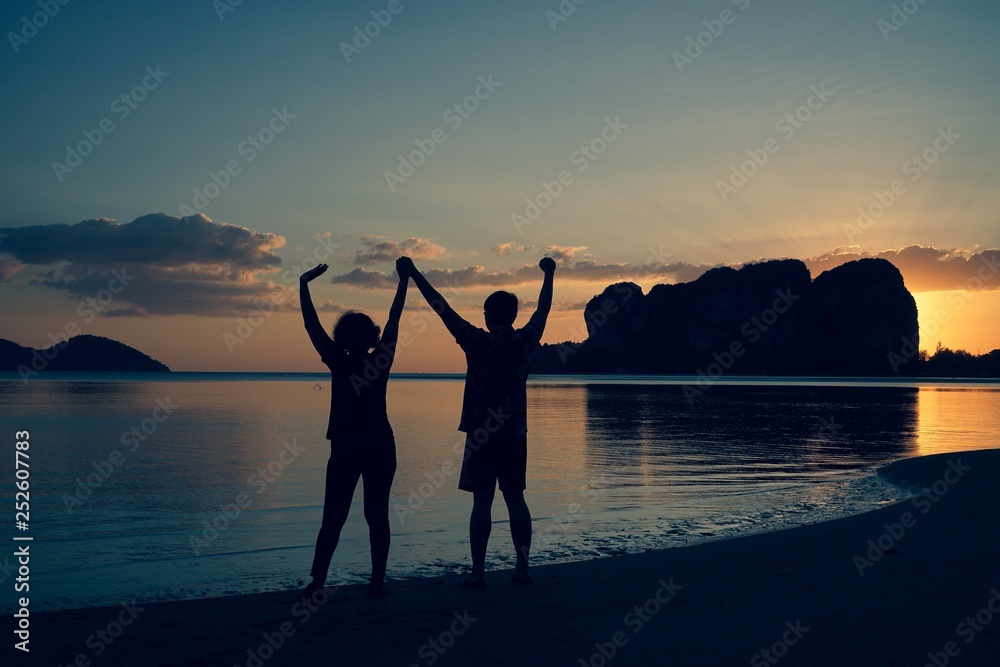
x,y
520,533
480,526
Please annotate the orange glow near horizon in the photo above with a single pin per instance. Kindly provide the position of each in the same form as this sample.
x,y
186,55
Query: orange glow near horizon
x,y
959,319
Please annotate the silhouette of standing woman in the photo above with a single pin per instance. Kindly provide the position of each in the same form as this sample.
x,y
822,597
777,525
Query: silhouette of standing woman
x,y
361,439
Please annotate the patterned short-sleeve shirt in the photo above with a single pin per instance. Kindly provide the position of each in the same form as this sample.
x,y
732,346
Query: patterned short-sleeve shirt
x,y
495,396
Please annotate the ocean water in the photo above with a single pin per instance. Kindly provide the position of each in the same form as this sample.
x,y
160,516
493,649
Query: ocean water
x,y
202,484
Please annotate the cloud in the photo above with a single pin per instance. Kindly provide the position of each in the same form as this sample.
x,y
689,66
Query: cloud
x,y
580,271
8,267
126,311
557,306
564,253
156,239
155,265
378,249
508,248
152,290
465,277
333,307
926,268
364,278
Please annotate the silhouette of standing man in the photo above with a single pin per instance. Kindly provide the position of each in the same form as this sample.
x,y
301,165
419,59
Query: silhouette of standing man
x,y
494,412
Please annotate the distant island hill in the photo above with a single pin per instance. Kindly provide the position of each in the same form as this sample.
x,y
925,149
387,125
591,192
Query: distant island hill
x,y
79,353
768,318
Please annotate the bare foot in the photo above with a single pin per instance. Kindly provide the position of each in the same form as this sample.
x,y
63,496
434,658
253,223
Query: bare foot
x,y
521,576
473,581
377,589
310,590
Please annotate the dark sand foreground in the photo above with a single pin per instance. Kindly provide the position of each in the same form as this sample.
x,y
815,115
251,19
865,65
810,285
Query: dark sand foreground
x,y
796,594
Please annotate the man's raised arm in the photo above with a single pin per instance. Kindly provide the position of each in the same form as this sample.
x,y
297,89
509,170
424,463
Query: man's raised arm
x,y
452,320
548,265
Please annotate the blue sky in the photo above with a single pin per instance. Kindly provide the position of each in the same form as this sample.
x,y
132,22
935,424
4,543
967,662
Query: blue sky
x,y
655,186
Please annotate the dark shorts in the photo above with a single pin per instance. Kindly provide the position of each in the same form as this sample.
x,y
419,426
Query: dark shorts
x,y
499,459
370,450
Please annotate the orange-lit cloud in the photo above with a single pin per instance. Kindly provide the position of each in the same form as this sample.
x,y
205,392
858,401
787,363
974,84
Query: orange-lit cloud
x,y
8,267
333,307
509,247
558,306
580,271
379,249
565,253
925,268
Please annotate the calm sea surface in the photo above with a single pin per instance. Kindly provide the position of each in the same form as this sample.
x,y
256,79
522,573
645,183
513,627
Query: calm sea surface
x,y
223,492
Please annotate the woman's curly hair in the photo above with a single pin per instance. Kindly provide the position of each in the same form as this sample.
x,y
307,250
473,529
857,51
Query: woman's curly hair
x,y
356,332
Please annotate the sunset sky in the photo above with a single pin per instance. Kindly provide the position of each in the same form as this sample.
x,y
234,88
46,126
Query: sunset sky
x,y
195,157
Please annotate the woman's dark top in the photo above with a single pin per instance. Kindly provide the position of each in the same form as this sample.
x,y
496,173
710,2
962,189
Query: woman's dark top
x,y
357,397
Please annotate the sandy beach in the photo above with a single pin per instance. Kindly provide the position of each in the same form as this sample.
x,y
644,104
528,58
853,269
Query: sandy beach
x,y
912,583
